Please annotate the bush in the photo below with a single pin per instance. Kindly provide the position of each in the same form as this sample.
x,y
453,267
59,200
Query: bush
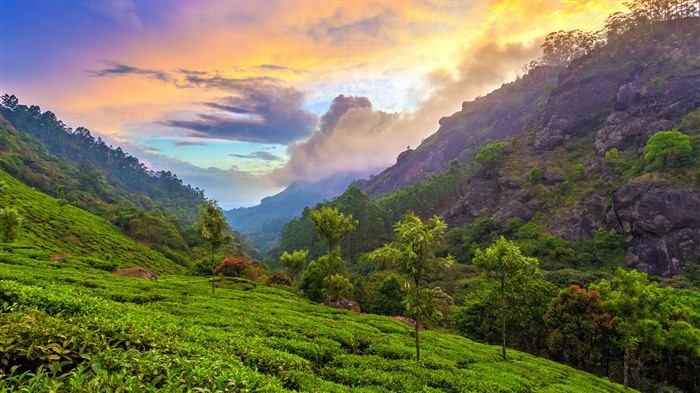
x,y
234,267
668,149
278,278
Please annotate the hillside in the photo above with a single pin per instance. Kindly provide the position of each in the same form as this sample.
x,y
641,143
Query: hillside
x,y
74,329
502,113
582,163
51,228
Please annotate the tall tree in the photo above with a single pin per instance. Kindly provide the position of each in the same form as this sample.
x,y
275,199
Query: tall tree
x,y
213,228
510,271
414,254
579,327
331,226
639,311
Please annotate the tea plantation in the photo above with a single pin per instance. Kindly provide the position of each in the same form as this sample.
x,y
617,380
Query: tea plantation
x,y
65,326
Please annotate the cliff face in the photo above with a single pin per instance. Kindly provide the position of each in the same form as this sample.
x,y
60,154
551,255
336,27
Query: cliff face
x,y
616,97
504,112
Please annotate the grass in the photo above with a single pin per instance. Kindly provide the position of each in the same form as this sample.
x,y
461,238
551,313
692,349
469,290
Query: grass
x,y
80,237
73,328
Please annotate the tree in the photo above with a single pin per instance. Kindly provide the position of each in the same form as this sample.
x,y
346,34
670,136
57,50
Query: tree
x,y
10,223
414,254
294,262
579,326
638,311
510,271
389,295
331,226
213,229
668,149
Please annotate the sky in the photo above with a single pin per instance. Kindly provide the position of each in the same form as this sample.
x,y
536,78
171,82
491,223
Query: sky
x,y
241,98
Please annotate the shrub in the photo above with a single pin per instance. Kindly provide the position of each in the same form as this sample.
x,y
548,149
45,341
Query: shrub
x,y
278,278
535,175
668,149
490,154
234,267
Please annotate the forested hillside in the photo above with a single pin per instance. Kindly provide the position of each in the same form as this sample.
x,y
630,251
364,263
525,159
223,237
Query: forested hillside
x,y
153,208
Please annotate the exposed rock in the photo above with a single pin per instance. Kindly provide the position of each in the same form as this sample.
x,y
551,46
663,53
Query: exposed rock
x,y
627,95
504,112
410,322
553,176
137,272
661,224
581,221
346,304
577,106
521,206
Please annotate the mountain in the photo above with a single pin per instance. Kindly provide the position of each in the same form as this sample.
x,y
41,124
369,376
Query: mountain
x,y
584,163
263,223
494,117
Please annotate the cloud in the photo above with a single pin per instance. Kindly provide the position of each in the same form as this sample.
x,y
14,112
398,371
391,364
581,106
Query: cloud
x,y
357,138
116,69
337,32
260,109
226,108
189,143
339,107
260,155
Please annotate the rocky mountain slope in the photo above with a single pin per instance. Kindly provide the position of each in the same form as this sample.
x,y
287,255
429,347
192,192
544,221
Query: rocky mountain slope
x,y
503,112
581,163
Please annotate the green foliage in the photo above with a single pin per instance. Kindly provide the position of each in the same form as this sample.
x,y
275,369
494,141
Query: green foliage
x,y
294,262
511,272
62,330
389,295
332,225
580,328
490,154
10,223
67,230
414,254
535,175
667,150
213,226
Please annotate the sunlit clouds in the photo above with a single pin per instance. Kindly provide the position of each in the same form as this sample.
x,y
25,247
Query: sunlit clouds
x,y
241,98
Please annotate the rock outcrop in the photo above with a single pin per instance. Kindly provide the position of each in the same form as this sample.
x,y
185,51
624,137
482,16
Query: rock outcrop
x,y
661,225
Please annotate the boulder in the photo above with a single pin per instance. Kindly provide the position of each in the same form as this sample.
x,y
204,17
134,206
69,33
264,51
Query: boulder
x,y
346,304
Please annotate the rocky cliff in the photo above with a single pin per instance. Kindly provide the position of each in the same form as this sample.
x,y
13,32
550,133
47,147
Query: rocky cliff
x,y
504,112
609,101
